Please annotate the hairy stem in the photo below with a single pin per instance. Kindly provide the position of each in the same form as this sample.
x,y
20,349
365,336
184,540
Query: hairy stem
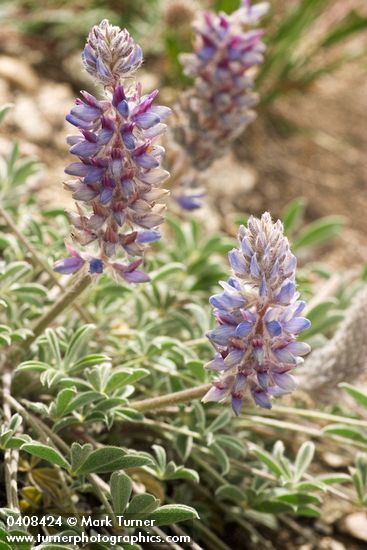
x,y
39,260
11,456
58,307
171,398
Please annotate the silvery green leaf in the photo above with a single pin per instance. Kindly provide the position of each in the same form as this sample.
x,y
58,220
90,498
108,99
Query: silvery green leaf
x,y
46,452
121,488
172,513
303,459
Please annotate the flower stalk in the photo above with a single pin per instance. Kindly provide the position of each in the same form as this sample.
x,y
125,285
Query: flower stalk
x,y
39,260
64,301
175,398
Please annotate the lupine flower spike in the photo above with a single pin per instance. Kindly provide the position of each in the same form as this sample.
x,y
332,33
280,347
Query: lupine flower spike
x,y
118,173
218,107
259,319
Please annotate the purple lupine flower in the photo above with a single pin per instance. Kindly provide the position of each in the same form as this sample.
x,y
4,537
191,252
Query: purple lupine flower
x,y
118,173
190,200
218,107
259,319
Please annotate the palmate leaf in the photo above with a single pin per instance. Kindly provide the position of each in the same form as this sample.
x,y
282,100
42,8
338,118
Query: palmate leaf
x,y
35,366
359,477
88,361
109,459
79,454
5,109
140,505
230,492
330,479
269,461
77,343
197,370
166,271
325,324
358,395
46,453
232,443
222,420
58,408
293,215
221,456
160,457
351,24
184,445
14,272
347,431
319,311
121,489
318,232
172,513
124,376
273,506
180,472
81,400
297,499
53,345
5,339
303,459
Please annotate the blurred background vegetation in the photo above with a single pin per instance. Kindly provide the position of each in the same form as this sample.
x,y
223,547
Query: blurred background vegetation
x,y
307,146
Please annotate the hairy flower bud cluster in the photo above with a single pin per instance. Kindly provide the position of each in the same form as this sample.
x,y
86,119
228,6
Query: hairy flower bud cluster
x,y
258,316
218,107
118,173
111,53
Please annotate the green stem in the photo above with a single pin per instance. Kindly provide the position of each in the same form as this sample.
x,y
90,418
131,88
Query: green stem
x,y
253,422
211,471
170,399
318,415
58,307
39,260
210,538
